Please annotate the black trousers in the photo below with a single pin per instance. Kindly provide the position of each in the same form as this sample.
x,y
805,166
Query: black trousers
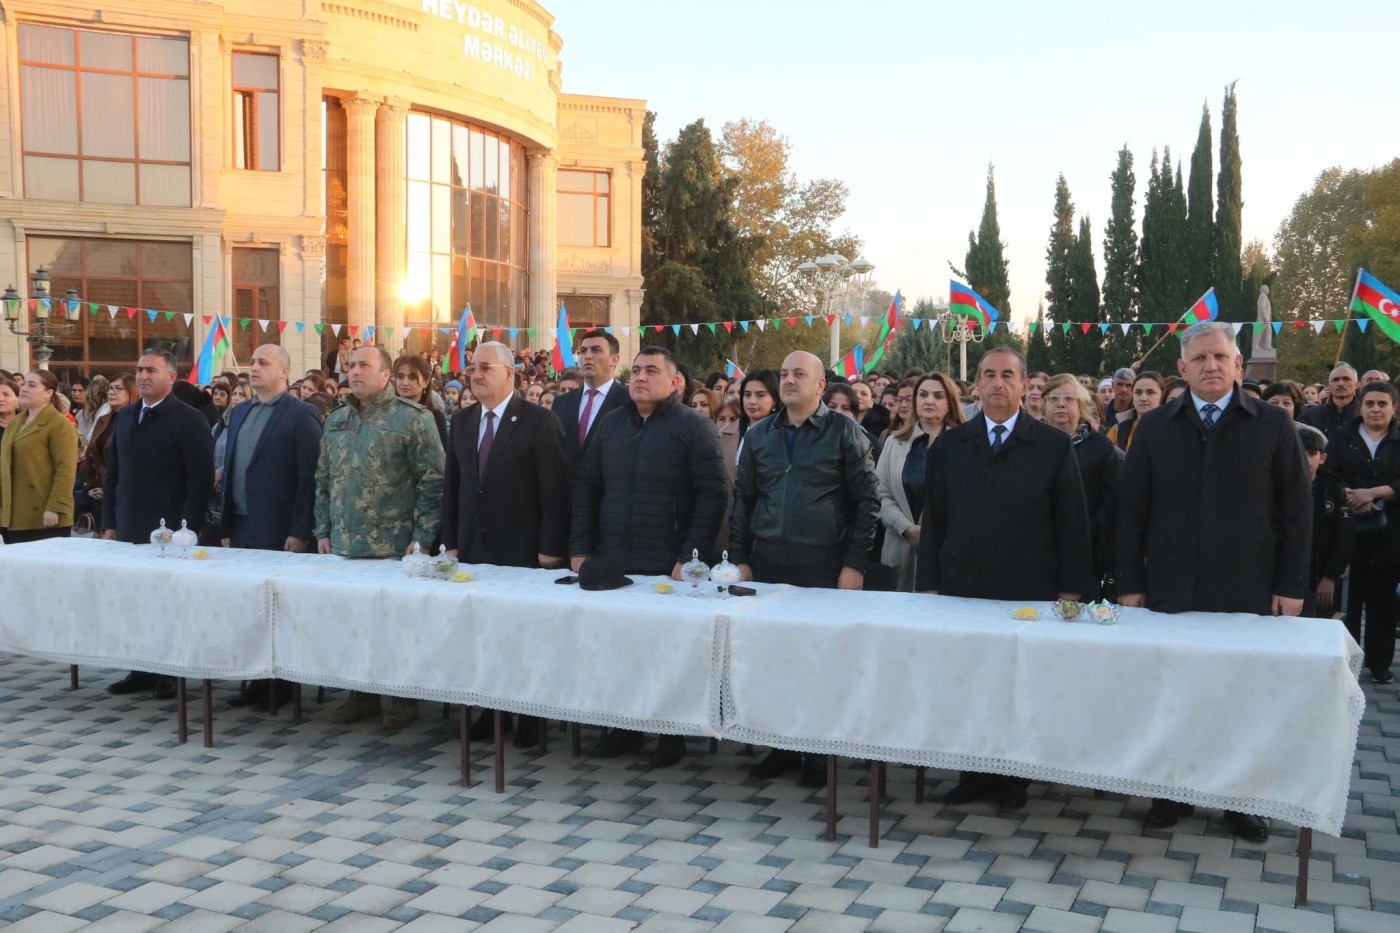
x,y
37,534
822,573
1373,588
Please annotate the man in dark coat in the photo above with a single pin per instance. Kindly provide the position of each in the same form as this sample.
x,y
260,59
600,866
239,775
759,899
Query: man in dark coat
x,y
1335,416
505,499
1004,518
1214,508
268,489
580,410
652,490
160,466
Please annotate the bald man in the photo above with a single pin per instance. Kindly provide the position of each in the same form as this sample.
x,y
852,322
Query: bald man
x,y
268,477
805,507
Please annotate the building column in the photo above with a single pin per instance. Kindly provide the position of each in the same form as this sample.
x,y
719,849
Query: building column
x,y
390,256
544,276
359,186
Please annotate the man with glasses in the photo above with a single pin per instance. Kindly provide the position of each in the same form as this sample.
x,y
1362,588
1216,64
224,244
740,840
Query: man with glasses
x,y
580,409
1333,417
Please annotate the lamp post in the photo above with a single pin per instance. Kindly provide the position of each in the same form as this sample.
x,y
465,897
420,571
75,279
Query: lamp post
x,y
44,335
832,282
958,329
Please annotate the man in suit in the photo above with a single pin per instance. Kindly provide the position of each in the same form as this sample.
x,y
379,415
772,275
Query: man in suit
x,y
269,477
160,466
1004,518
1214,509
579,410
505,496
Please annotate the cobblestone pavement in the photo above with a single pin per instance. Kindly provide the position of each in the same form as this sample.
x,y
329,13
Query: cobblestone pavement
x,y
107,824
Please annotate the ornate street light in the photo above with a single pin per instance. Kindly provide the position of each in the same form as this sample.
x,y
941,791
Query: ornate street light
x,y
835,286
44,335
959,329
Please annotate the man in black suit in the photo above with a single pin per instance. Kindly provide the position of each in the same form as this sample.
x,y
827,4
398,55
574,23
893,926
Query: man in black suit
x,y
505,496
269,478
160,466
578,411
1004,518
1214,509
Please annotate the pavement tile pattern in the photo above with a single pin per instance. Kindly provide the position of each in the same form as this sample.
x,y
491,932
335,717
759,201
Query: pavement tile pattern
x,y
107,824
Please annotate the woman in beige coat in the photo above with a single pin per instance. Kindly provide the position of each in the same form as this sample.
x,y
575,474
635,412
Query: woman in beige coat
x,y
902,465
38,464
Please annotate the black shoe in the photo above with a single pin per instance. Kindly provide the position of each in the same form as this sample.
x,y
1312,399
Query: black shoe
x,y
1010,796
1246,827
813,772
527,732
965,792
670,749
252,694
616,742
135,682
484,729
1382,677
164,689
775,763
1163,814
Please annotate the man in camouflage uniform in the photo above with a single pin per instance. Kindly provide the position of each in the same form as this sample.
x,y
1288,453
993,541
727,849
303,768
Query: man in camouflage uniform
x,y
378,491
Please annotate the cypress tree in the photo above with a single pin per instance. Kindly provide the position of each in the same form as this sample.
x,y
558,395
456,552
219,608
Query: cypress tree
x,y
1120,265
1058,276
1200,247
1228,274
1037,347
1150,290
1086,348
986,265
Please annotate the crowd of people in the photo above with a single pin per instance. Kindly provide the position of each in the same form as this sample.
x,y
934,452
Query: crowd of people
x,y
1200,491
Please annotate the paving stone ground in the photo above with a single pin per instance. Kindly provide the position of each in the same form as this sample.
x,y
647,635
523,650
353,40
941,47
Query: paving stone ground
x,y
107,824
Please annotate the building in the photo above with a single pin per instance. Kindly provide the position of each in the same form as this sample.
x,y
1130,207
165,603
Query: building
x,y
363,167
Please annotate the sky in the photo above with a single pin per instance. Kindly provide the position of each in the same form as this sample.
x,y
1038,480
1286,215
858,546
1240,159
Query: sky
x,y
908,103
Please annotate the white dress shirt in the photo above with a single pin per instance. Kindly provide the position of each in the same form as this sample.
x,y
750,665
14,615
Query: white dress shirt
x,y
598,401
500,412
1009,424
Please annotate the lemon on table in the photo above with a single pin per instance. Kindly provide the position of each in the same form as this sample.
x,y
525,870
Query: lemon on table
x,y
200,554
1025,614
663,588
463,576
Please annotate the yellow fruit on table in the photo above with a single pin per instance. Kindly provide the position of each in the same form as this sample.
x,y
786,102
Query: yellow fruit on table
x,y
463,576
200,554
663,588
1025,614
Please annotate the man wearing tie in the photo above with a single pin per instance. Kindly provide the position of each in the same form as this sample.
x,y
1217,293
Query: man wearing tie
x,y
272,445
505,495
578,411
160,466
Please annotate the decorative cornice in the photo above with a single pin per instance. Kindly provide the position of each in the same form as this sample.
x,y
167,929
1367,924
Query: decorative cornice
x,y
372,16
314,50
313,245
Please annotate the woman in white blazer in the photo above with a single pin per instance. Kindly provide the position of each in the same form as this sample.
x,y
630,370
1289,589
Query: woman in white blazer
x,y
902,465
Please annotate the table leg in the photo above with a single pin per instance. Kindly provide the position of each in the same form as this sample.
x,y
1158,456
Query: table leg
x,y
544,735
874,804
208,713
181,715
445,708
576,739
714,746
831,797
465,744
500,755
1300,894
72,677
884,782
920,773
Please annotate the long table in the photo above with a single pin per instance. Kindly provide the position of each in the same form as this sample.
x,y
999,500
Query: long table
x,y
1252,714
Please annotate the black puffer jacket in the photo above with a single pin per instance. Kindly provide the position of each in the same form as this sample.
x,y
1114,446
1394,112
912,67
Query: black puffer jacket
x,y
1350,458
822,497
650,490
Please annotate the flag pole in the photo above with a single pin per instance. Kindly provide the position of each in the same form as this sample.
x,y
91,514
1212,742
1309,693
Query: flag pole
x,y
1343,342
1141,362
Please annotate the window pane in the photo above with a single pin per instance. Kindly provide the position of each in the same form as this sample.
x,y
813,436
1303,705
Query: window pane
x,y
601,237
109,182
574,181
45,44
601,180
109,118
493,228
442,151
478,235
503,217
107,258
160,56
419,129
442,290
51,179
173,261
60,257
505,170
521,240
460,227
460,294
167,185
49,107
521,173
255,71
418,282
164,122
420,224
255,267
478,143
575,219
104,50
493,164
269,137
460,142
442,219
242,117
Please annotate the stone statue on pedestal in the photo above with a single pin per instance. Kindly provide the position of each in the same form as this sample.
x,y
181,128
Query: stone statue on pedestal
x,y
1264,332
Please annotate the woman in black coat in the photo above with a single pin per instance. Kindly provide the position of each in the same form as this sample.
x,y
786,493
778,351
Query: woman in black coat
x,y
1068,406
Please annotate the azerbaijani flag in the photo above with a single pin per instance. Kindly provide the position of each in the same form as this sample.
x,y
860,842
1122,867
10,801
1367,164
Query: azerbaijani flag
x,y
1205,309
456,359
216,344
563,343
851,363
1375,299
732,370
888,328
966,302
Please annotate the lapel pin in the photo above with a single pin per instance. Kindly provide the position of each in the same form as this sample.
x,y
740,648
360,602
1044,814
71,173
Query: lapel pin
x,y
512,417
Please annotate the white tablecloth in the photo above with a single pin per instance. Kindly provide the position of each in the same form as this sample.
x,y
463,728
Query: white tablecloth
x,y
1252,714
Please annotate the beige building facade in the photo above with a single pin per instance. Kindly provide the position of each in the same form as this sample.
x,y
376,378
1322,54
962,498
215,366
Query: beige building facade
x,y
303,169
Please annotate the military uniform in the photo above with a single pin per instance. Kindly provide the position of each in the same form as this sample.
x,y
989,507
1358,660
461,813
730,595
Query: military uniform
x,y
379,477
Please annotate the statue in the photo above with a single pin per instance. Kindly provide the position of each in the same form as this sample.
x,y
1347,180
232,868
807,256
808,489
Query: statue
x,y
1264,315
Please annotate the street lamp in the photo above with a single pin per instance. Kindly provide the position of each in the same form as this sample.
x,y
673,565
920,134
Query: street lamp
x,y
959,329
832,283
44,335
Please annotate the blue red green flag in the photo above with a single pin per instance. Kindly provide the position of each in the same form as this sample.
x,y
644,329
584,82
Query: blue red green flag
x,y
1379,302
966,302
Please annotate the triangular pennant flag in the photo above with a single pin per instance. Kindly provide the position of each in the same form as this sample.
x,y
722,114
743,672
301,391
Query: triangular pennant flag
x,y
1171,328
1278,326
1064,327
676,329
335,329
530,331
369,332
1084,327
1363,323
170,315
711,325
1125,328
93,307
626,331
849,320
354,330
514,332
319,328
694,328
1338,325
1317,326
1030,328
496,333
131,313
112,311
809,320
762,323
207,317
282,326
658,327
864,319
1013,327
792,322
1300,324
918,322
1103,328
1147,328
992,327
189,319
262,323
745,326
243,323
606,330
729,327
150,315
1238,328
389,333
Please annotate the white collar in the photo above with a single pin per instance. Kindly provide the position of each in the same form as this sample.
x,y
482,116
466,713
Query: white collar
x,y
1009,424
499,410
1221,403
602,390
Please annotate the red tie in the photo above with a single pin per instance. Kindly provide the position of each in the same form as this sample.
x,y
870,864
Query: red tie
x,y
584,415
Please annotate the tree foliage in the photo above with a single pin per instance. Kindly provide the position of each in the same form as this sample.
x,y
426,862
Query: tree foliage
x,y
1120,265
924,349
1230,205
1085,349
986,267
1200,221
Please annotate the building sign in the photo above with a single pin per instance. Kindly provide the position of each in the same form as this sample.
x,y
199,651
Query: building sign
x,y
493,40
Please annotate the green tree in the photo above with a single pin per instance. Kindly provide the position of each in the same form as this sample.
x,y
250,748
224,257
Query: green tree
x,y
1228,238
651,196
1037,348
1085,349
1120,266
986,266
924,348
1059,276
1200,223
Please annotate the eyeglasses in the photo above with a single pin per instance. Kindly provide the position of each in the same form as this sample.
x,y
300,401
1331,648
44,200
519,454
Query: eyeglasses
x,y
484,367
904,399
1059,399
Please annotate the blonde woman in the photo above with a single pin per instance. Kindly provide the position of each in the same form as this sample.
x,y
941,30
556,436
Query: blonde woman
x,y
903,464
